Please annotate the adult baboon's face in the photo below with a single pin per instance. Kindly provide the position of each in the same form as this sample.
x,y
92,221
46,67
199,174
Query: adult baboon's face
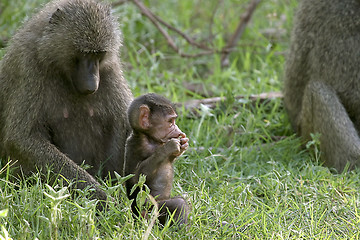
x,y
85,76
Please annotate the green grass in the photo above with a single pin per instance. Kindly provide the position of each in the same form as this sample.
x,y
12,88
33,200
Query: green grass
x,y
234,170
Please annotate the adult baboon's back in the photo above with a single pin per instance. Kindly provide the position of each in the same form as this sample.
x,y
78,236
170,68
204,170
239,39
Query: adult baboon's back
x,y
322,78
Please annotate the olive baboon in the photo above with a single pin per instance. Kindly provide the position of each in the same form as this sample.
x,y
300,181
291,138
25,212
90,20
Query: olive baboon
x,y
322,78
151,149
63,98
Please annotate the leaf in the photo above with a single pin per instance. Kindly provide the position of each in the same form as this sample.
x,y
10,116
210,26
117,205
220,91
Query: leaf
x,y
4,212
121,180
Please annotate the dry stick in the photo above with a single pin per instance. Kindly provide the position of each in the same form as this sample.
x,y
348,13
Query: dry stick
x,y
220,2
225,51
153,219
148,14
244,20
144,10
211,102
182,34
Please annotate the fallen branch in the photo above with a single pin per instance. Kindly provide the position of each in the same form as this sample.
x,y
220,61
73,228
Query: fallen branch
x,y
212,102
220,150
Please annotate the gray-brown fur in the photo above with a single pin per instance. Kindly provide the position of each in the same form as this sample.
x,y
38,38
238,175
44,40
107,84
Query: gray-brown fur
x,y
44,121
322,78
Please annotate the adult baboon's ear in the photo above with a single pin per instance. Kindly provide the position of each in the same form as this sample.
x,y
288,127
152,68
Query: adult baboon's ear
x,y
56,16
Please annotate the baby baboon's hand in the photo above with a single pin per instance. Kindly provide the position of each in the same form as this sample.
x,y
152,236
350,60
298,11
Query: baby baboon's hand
x,y
184,144
173,147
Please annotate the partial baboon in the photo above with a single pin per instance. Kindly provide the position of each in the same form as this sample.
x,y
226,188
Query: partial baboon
x,y
322,78
151,149
63,98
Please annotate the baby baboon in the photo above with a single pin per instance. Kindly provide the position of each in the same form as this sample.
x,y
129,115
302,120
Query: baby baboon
x,y
63,98
322,78
151,149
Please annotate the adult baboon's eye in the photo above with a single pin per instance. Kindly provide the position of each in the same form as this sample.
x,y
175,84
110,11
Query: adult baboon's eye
x,y
76,61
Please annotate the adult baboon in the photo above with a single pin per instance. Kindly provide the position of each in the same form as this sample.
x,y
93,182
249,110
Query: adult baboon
x,y
63,98
322,78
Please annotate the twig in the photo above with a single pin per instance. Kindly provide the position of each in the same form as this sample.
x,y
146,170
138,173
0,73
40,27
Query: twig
x,y
220,150
149,15
220,2
153,219
182,34
118,3
156,20
244,20
211,102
